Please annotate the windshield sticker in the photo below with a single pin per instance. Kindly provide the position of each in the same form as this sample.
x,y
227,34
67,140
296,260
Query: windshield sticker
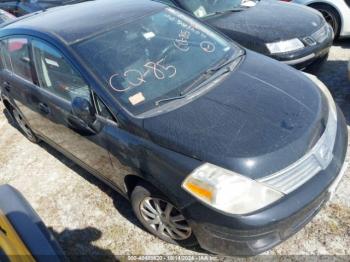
x,y
200,12
137,99
149,35
136,78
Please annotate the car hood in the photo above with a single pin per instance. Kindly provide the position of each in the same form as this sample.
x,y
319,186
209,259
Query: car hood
x,y
260,119
268,21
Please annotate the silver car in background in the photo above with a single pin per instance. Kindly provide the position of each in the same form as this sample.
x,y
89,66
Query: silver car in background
x,y
336,13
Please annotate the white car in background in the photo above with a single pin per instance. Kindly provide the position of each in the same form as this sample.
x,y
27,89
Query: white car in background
x,y
336,13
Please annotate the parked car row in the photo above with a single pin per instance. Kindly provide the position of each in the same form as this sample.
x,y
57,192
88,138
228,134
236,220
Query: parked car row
x,y
213,144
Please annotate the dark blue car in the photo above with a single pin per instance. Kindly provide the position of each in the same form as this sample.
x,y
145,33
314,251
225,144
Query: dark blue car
x,y
293,34
212,143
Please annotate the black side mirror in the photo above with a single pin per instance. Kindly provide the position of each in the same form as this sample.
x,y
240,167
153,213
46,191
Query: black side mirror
x,y
83,110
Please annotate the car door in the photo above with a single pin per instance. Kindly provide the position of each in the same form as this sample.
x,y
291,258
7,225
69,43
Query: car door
x,y
18,78
60,84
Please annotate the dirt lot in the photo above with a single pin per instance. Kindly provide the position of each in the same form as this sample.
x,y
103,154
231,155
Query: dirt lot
x,y
89,219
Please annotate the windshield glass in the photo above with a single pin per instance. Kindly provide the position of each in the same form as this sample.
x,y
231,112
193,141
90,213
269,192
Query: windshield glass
x,y
154,57
203,8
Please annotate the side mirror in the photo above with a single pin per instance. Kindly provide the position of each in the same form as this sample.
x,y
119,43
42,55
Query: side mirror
x,y
83,110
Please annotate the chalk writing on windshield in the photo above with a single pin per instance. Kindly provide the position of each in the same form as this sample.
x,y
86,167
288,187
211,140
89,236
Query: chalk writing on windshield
x,y
208,46
191,28
135,77
181,42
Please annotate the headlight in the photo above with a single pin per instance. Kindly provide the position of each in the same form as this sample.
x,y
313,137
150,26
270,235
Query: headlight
x,y
228,191
322,34
285,46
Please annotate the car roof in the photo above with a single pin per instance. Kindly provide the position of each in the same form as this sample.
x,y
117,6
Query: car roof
x,y
75,23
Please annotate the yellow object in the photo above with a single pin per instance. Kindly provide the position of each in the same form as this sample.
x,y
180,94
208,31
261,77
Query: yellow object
x,y
10,243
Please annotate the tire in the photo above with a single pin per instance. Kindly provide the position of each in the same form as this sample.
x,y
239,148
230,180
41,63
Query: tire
x,y
146,201
331,15
23,126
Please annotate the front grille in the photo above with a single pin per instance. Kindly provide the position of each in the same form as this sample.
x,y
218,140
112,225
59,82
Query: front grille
x,y
293,177
317,159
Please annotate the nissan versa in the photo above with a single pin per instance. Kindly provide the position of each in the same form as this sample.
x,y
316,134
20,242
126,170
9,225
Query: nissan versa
x,y
293,34
212,144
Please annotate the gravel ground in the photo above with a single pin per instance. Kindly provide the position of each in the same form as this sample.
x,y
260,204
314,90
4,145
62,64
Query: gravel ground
x,y
89,219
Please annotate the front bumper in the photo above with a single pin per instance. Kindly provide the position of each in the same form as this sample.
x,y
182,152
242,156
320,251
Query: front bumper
x,y
260,231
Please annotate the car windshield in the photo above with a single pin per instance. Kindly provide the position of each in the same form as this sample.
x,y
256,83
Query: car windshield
x,y
154,57
204,8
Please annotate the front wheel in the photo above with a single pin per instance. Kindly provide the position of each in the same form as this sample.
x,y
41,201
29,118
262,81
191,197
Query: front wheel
x,y
23,126
160,217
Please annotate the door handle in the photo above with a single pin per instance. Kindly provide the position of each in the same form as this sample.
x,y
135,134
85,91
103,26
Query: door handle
x,y
7,86
44,108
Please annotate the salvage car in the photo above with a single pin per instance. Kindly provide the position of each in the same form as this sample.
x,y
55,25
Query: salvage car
x,y
336,13
212,143
23,7
5,16
23,235
294,35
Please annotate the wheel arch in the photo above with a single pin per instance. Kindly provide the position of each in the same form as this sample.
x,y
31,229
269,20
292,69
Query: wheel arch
x,y
131,181
313,4
7,104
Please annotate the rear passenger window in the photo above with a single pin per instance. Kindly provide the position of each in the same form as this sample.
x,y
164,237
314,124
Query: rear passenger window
x,y
57,75
18,51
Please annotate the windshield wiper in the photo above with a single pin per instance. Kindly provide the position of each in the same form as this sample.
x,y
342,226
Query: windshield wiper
x,y
233,10
213,70
221,65
183,94
157,103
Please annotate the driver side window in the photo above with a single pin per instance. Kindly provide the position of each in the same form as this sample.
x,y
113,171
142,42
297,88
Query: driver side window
x,y
56,75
